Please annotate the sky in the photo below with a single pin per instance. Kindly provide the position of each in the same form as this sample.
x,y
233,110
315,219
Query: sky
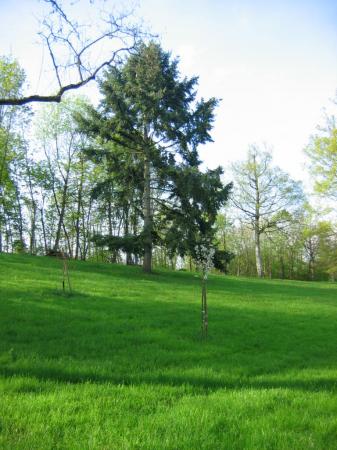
x,y
272,63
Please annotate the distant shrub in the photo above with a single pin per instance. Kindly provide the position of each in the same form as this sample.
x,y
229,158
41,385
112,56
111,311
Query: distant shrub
x,y
19,246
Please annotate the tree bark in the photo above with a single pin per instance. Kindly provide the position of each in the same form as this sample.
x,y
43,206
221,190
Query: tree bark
x,y
259,268
283,271
126,233
44,231
32,243
257,232
78,212
20,224
61,212
311,264
147,231
204,309
2,212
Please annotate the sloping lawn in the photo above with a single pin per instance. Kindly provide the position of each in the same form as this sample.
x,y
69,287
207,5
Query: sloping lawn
x,y
119,363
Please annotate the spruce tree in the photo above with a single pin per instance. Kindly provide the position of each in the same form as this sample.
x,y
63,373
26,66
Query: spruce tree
x,y
151,112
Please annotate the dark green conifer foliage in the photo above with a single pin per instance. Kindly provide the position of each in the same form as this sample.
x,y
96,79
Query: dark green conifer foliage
x,y
199,196
150,113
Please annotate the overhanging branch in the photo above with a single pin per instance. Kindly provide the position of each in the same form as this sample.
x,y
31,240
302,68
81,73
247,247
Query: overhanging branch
x,y
56,98
70,51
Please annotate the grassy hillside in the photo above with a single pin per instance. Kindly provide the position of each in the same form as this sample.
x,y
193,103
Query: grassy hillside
x,y
119,364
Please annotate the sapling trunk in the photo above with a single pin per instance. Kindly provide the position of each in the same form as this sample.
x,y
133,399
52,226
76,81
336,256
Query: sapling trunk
x,y
204,260
204,312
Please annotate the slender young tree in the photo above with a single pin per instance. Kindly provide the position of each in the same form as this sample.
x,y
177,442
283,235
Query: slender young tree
x,y
61,144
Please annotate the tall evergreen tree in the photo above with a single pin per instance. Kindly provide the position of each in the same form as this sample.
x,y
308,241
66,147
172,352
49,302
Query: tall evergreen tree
x,y
151,112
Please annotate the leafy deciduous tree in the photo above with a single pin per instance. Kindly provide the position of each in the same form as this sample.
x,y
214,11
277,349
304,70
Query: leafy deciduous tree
x,y
322,152
263,193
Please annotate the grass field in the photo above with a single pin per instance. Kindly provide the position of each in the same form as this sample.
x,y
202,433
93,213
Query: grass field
x,y
119,364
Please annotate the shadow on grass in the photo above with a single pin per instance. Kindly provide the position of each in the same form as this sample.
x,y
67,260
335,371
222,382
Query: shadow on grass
x,y
181,279
199,384
132,337
108,340
275,290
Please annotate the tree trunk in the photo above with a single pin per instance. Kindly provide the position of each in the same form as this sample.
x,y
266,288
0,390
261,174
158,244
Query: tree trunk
x,y
20,225
311,268
257,232
66,234
311,251
61,211
78,212
283,271
9,240
86,230
126,233
32,243
110,217
258,253
44,231
1,219
204,309
147,231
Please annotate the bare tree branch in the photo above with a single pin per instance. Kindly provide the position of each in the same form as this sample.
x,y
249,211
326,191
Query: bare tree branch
x,y
63,36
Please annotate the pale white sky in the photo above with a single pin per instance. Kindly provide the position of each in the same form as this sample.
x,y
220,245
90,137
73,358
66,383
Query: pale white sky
x,y
273,64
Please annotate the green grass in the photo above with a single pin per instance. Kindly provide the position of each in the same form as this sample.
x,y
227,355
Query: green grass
x,y
119,364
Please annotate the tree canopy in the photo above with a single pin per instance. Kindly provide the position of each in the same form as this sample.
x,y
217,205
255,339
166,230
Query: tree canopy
x,y
150,112
264,194
322,152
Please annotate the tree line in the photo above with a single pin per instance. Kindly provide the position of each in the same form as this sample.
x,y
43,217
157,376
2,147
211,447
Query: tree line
x,y
122,182
119,180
